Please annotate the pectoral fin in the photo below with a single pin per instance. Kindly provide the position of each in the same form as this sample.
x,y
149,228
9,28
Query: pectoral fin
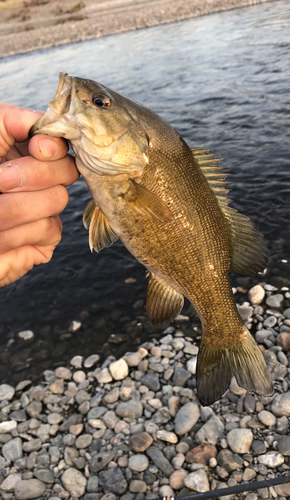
x,y
146,203
101,234
163,302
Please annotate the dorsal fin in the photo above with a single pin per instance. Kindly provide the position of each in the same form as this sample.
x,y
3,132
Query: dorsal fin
x,y
248,249
101,234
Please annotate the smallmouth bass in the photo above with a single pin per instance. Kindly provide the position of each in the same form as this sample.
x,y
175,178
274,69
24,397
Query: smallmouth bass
x,y
168,205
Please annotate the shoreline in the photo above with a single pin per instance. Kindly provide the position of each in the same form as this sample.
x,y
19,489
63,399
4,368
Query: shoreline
x,y
37,28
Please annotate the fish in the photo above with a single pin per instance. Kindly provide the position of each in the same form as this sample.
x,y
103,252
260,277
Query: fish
x,y
168,205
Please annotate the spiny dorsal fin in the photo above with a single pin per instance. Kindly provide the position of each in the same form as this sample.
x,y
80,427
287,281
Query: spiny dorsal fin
x,y
248,249
163,303
148,204
101,234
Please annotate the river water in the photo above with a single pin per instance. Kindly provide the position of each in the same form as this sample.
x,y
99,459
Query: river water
x,y
223,82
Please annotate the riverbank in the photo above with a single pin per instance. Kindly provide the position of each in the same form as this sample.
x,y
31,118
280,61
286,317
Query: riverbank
x,y
133,428
40,24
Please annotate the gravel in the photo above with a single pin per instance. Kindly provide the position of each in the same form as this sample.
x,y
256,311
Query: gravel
x,y
140,435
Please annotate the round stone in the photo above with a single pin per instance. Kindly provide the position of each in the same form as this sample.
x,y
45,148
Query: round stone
x,y
176,479
256,295
74,482
26,335
91,360
84,441
283,340
6,392
130,409
170,437
275,301
137,486
140,441
79,376
186,418
138,462
240,440
165,491
119,369
12,450
62,372
267,418
77,361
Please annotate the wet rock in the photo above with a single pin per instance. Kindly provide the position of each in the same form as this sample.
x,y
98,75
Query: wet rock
x,y
240,440
197,481
74,482
211,431
186,418
112,480
29,489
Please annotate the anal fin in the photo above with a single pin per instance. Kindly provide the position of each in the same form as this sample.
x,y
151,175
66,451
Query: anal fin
x,y
163,302
101,234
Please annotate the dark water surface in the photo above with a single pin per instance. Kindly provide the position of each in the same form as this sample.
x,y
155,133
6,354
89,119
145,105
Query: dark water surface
x,y
223,82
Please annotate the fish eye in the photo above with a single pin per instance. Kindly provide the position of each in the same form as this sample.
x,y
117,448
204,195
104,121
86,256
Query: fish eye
x,y
102,101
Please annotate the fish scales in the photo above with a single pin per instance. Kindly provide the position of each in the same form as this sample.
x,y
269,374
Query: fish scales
x,y
168,206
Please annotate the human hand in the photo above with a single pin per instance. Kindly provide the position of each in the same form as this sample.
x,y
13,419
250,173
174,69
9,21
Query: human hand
x,y
33,176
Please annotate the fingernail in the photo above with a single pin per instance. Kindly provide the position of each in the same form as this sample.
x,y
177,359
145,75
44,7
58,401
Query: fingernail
x,y
48,148
10,177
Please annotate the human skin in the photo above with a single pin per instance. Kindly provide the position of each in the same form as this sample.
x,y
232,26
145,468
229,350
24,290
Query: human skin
x,y
33,179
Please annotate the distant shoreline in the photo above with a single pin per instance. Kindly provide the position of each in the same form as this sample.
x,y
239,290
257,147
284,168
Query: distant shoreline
x,y
42,28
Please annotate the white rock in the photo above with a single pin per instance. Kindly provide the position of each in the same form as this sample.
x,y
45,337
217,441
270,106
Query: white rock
x,y
240,440
74,482
210,432
256,295
7,426
197,481
74,326
271,459
191,365
281,405
104,376
170,437
267,418
26,335
119,369
91,360
235,388
6,392
10,482
77,361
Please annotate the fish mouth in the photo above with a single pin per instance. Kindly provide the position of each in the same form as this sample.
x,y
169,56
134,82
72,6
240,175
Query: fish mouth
x,y
57,119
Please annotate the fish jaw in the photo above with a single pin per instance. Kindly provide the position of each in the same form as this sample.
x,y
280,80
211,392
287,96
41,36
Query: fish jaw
x,y
104,140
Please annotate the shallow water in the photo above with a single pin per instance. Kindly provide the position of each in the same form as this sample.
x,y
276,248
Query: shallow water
x,y
223,82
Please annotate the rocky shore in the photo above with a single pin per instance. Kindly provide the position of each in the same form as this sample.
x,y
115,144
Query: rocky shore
x,y
39,24
134,429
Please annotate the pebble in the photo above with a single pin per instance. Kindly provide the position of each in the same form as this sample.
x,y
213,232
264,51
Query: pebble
x,y
186,418
29,489
267,418
211,431
271,459
26,335
275,301
119,369
7,426
140,441
74,482
256,294
6,392
197,481
13,449
92,360
281,405
138,462
240,440
130,409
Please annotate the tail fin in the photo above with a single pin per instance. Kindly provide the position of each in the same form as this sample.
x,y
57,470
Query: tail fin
x,y
215,367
